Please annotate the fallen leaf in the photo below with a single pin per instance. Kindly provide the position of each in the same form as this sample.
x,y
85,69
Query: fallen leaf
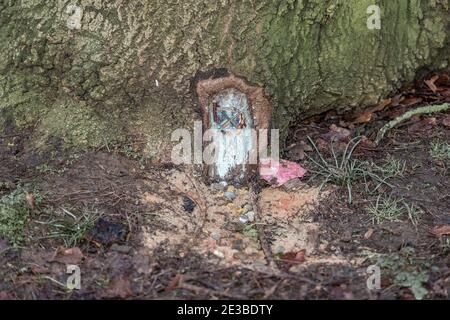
x,y
411,101
36,269
119,287
440,231
367,115
365,144
31,200
431,83
67,255
321,144
423,125
294,257
173,283
446,121
444,79
279,172
297,150
397,99
337,134
369,234
364,117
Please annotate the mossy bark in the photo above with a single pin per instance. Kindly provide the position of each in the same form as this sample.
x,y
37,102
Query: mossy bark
x,y
129,67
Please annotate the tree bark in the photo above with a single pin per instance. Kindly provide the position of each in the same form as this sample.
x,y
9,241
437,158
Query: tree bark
x,y
91,70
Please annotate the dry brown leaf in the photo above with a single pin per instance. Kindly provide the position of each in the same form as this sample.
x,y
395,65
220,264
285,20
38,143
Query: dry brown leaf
x,y
297,150
367,115
67,255
337,134
440,231
446,92
294,257
174,282
365,144
444,79
31,200
410,101
364,117
369,234
431,83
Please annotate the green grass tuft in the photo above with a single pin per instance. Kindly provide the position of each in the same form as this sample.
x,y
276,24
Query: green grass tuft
x,y
394,210
440,150
343,170
14,215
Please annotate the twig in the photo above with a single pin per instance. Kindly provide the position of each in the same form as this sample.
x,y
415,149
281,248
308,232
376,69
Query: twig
x,y
260,226
186,286
408,115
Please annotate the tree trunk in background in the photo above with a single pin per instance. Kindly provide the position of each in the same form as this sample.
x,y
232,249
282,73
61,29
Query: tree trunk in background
x,y
126,67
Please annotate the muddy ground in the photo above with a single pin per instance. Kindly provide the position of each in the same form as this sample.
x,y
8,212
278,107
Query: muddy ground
x,y
139,229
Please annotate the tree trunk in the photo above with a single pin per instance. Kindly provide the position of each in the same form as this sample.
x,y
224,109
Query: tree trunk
x,y
91,72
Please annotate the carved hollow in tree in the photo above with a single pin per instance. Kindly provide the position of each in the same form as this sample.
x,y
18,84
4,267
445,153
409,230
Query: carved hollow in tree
x,y
230,106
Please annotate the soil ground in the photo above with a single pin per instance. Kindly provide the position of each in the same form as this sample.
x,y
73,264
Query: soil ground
x,y
139,229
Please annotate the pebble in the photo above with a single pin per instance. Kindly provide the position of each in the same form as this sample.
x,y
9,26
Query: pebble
x,y
247,217
230,195
251,216
244,219
188,204
248,207
216,236
219,254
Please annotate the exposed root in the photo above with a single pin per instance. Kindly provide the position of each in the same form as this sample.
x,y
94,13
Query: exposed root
x,y
408,115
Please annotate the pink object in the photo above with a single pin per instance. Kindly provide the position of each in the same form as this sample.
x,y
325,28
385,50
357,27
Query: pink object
x,y
279,172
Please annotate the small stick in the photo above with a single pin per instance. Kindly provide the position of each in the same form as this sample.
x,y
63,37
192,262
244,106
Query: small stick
x,y
261,233
408,115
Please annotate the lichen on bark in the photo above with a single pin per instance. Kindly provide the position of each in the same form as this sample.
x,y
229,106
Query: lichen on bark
x,y
131,63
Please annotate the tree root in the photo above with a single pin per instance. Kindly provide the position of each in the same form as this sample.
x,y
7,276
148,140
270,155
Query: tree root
x,y
408,115
261,232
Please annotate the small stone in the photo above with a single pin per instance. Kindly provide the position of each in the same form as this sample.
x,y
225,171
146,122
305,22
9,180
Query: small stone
x,y
248,207
231,189
251,216
238,245
244,219
219,254
229,195
188,204
216,236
